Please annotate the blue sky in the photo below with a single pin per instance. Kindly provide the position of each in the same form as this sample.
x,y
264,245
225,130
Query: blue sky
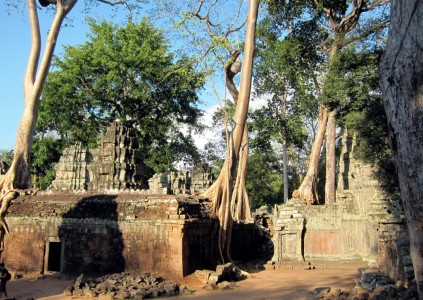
x,y
14,51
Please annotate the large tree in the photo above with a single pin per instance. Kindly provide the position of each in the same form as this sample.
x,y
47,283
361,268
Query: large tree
x,y
285,70
401,72
127,73
343,22
226,205
18,176
219,30
213,29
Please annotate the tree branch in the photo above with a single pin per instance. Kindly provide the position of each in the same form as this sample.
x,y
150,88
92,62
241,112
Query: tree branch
x,y
350,21
63,7
112,2
365,34
229,74
34,53
376,4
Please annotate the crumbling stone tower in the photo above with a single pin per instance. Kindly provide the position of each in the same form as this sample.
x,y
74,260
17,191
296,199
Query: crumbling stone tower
x,y
115,165
117,162
72,169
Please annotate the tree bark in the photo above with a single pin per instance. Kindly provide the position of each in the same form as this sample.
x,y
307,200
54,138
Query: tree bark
x,y
284,151
307,190
402,88
221,191
240,202
18,176
330,184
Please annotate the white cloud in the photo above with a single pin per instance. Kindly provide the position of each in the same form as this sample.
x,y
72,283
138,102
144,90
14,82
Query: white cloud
x,y
210,132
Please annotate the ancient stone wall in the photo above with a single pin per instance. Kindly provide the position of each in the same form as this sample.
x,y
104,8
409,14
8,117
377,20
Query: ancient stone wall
x,y
111,233
117,164
364,223
202,178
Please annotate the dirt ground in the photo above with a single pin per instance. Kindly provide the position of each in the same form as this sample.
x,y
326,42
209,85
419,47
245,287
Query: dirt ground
x,y
262,285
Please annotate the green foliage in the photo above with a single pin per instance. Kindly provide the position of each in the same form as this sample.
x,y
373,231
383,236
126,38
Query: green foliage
x,y
264,179
285,68
124,73
363,113
268,125
372,137
45,153
320,27
6,156
224,115
180,148
352,79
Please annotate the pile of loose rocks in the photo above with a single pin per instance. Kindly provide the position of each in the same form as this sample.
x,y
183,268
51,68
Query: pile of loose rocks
x,y
223,278
123,286
370,284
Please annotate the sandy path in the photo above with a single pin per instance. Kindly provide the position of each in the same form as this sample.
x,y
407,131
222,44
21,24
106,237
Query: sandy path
x,y
281,284
264,285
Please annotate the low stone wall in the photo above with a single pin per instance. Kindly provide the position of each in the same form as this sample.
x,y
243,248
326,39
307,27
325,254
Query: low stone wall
x,y
323,232
110,233
375,233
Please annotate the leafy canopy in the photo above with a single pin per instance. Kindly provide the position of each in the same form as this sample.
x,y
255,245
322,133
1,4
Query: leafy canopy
x,y
124,73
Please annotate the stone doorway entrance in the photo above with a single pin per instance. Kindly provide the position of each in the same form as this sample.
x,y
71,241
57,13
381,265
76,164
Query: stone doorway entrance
x,y
54,256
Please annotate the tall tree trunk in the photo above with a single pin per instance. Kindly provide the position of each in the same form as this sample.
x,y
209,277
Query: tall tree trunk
x,y
307,190
402,88
284,151
285,172
18,176
330,184
221,191
240,201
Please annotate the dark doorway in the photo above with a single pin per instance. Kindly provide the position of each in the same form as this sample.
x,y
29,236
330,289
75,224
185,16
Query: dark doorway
x,y
54,256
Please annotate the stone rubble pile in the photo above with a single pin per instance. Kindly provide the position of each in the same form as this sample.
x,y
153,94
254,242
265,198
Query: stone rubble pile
x,y
123,286
372,278
370,284
223,278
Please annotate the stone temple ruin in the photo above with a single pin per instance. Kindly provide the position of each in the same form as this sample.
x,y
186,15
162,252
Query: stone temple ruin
x,y
364,223
117,166
98,218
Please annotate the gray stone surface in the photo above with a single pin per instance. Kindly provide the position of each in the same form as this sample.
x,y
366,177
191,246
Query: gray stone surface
x,y
118,166
364,223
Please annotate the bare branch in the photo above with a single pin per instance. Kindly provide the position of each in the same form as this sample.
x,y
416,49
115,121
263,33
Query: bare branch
x,y
364,34
376,4
112,2
197,13
350,21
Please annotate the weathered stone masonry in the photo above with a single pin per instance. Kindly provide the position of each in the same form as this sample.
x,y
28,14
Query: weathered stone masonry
x,y
113,233
364,223
106,233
